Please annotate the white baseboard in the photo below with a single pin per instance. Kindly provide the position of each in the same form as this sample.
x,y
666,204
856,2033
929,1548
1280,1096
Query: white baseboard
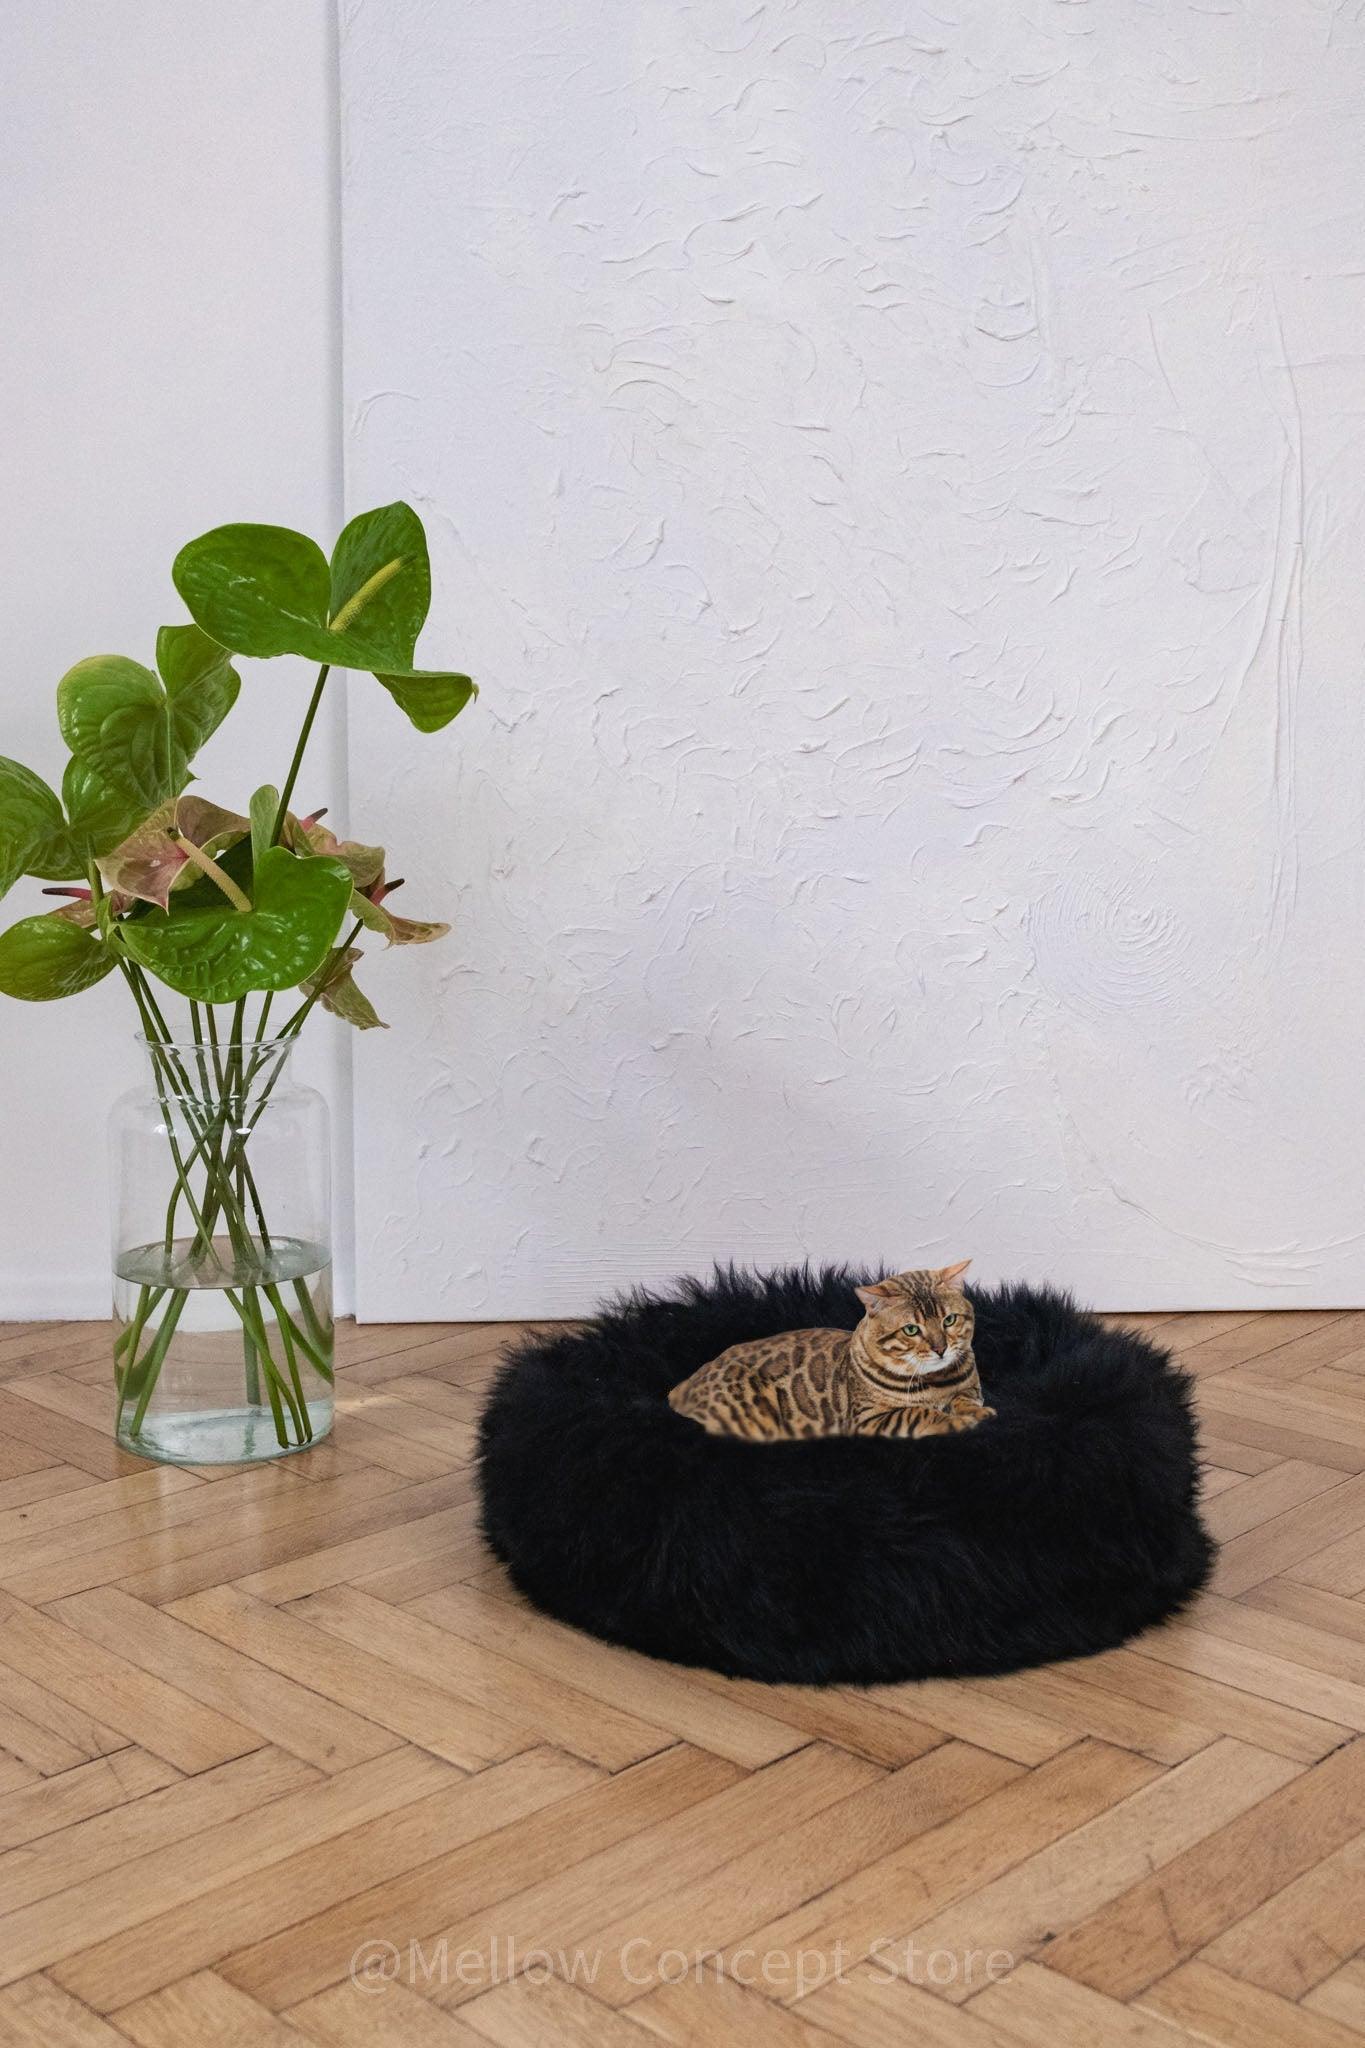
x,y
83,1298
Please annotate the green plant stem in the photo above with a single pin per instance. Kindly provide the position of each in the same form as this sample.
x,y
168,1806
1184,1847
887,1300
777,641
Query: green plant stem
x,y
157,1049
197,1027
218,1193
240,1163
272,1295
225,1160
162,1059
288,1032
313,1352
310,1316
153,1023
219,1124
294,766
249,1308
155,1358
146,1301
133,1333
249,1353
251,1369
272,1395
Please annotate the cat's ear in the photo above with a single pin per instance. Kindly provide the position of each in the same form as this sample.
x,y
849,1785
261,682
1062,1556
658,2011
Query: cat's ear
x,y
947,1274
878,1295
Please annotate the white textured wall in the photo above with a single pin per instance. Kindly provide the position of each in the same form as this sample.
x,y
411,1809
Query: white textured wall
x,y
168,352
897,474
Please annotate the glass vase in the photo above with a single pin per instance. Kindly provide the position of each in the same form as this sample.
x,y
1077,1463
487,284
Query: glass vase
x,y
222,1257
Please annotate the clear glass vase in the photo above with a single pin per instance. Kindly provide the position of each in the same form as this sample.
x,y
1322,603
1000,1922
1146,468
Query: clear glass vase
x,y
222,1257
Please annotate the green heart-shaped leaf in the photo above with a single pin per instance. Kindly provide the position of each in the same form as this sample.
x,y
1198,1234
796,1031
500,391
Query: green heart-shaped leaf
x,y
132,739
381,584
264,804
112,713
37,838
430,698
260,590
136,734
45,958
214,954
267,590
33,834
201,683
100,815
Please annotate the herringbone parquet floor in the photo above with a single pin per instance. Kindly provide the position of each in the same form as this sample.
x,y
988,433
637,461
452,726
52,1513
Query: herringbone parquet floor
x,y
256,1725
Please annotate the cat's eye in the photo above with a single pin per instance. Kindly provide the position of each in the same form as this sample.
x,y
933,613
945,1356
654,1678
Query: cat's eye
x,y
912,1330
949,1319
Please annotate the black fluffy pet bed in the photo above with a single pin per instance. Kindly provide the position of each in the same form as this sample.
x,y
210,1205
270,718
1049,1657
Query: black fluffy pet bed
x,y
1061,1527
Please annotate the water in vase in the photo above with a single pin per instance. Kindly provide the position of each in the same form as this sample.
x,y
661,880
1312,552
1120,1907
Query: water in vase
x,y
223,1353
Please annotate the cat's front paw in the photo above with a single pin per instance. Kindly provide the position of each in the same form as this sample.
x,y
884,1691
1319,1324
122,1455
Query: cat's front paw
x,y
937,1425
975,1411
964,1417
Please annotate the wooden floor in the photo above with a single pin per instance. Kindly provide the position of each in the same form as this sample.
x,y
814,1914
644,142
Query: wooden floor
x,y
283,1759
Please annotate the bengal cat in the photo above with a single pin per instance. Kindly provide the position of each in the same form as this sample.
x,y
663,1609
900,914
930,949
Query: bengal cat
x,y
907,1370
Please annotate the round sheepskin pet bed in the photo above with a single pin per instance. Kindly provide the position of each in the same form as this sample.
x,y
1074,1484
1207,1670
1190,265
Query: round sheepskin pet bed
x,y
1061,1527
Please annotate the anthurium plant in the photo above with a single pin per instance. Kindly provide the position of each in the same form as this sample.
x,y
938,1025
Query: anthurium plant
x,y
224,908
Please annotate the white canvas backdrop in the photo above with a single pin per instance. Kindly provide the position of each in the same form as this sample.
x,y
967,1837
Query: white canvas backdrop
x,y
168,349
897,477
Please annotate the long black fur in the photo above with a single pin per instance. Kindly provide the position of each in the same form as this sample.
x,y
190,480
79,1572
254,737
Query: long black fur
x,y
1060,1528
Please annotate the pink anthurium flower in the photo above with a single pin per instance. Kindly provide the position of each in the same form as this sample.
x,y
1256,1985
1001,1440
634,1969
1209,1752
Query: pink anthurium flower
x,y
151,860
